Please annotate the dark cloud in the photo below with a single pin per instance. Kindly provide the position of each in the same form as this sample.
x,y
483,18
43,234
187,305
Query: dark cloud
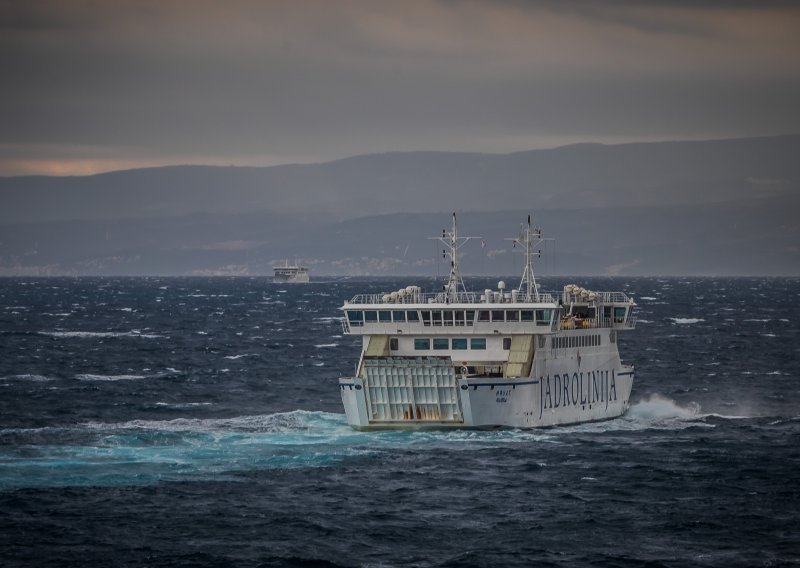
x,y
133,82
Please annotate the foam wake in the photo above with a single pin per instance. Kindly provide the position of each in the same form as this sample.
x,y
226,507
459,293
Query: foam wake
x,y
141,452
658,408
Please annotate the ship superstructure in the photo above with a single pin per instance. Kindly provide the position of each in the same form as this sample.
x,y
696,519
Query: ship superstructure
x,y
519,358
290,274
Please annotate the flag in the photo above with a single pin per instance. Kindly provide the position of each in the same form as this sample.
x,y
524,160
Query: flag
x,y
483,244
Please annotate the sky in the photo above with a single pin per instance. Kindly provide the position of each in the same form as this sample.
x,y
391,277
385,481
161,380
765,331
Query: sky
x,y
92,86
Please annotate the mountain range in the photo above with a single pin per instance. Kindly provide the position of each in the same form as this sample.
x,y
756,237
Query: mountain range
x,y
718,207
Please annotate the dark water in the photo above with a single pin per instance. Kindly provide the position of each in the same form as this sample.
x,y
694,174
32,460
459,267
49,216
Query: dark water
x,y
197,422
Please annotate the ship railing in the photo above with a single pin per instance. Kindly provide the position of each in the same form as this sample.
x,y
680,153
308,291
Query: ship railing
x,y
593,323
450,298
612,297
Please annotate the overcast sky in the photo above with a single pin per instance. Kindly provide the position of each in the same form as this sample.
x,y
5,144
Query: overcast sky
x,y
92,86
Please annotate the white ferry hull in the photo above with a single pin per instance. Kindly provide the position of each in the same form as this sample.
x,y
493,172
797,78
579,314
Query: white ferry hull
x,y
562,396
296,279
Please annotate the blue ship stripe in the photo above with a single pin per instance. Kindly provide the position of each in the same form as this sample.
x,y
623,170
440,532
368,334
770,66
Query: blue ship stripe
x,y
517,383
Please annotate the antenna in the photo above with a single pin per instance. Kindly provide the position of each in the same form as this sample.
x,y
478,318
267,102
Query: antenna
x,y
529,238
453,242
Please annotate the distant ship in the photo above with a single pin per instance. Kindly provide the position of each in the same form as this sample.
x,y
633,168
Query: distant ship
x,y
287,274
522,358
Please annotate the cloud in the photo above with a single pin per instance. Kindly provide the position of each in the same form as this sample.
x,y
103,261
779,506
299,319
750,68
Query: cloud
x,y
166,82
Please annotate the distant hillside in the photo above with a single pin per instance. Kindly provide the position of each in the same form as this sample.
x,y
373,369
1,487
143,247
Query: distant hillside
x,y
572,177
734,238
716,207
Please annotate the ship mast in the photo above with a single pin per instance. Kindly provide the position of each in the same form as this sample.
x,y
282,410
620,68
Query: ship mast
x,y
528,288
455,284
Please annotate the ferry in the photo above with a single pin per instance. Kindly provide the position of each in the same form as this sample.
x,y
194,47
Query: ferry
x,y
290,274
519,358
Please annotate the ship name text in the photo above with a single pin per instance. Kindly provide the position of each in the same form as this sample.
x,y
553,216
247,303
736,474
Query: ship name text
x,y
580,389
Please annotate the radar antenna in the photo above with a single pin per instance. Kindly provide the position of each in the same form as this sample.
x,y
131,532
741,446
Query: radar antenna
x,y
455,284
529,238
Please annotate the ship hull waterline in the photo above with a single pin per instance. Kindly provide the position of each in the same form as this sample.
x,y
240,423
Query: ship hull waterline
x,y
489,403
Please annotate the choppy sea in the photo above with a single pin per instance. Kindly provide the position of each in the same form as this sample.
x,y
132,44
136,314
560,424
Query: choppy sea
x,y
197,422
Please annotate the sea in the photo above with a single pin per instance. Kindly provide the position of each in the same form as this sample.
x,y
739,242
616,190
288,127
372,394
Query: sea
x,y
198,422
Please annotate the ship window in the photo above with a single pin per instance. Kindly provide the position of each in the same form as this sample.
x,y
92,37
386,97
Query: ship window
x,y
477,343
356,318
393,343
426,317
619,315
470,316
607,312
412,315
512,315
543,317
527,315
441,343
385,315
422,343
459,317
399,316
437,317
459,343
498,315
483,315
506,343
447,316
371,315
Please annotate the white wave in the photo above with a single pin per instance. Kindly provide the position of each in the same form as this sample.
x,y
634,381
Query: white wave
x,y
234,357
328,319
27,377
647,298
658,407
294,421
93,377
101,334
126,309
687,321
321,345
183,404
